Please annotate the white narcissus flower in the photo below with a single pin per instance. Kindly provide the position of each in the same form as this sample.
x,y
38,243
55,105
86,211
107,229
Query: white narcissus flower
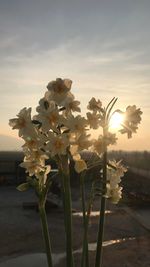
x,y
114,173
69,97
72,106
118,167
113,178
82,141
94,105
58,90
133,114
30,143
80,165
59,99
43,104
24,117
42,175
132,117
98,145
34,163
35,143
93,120
36,155
23,123
32,167
75,124
60,86
49,117
110,139
57,144
114,194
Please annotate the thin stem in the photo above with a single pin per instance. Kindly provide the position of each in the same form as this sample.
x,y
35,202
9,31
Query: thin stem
x,y
45,231
86,217
99,248
68,221
100,234
85,258
66,191
90,204
63,198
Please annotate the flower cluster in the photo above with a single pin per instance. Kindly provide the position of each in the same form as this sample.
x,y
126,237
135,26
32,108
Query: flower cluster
x,y
57,131
53,131
98,144
115,171
132,117
35,156
95,116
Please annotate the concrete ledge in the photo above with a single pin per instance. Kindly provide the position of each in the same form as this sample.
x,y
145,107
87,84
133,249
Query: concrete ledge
x,y
34,260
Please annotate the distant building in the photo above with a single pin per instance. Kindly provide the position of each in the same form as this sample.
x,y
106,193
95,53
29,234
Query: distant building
x,y
10,171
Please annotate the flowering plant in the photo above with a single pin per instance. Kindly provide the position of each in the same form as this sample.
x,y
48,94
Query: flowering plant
x,y
56,132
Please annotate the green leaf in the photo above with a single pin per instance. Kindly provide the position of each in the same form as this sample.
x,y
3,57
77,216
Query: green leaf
x,y
23,187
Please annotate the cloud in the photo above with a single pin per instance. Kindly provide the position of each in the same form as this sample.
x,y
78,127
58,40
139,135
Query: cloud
x,y
108,72
8,41
102,46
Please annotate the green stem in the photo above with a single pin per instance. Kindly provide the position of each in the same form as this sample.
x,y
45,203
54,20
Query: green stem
x,y
66,191
89,207
68,220
63,197
45,231
98,261
85,258
100,234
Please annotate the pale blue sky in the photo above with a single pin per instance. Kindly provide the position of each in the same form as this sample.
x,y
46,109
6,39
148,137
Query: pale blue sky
x,y
103,46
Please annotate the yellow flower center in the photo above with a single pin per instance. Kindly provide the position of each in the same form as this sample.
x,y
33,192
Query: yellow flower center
x,y
53,118
59,89
58,144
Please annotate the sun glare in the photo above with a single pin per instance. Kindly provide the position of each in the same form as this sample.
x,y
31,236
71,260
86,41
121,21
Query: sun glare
x,y
116,120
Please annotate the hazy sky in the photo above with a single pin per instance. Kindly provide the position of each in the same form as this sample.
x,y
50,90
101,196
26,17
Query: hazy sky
x,y
103,46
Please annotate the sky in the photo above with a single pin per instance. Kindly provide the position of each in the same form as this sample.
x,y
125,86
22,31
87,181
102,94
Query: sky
x,y
102,46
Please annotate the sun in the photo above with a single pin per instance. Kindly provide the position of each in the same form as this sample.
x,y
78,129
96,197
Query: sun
x,y
116,120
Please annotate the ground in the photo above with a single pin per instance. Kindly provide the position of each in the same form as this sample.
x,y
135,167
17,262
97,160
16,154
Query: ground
x,y
20,231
